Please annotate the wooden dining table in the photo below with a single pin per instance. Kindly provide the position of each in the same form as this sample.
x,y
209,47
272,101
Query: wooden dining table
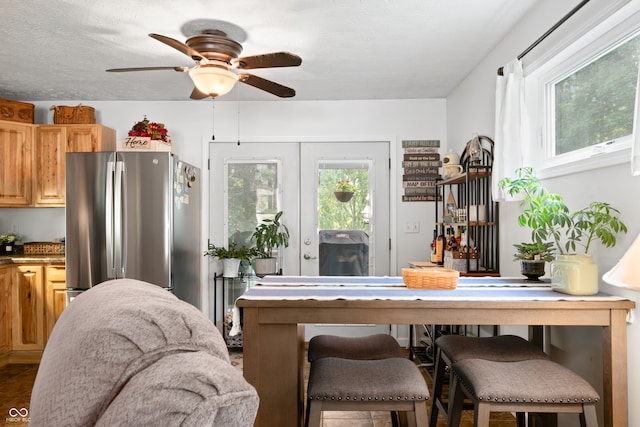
x,y
276,309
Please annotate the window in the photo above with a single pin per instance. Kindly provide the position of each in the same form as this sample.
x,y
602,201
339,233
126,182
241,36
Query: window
x,y
582,101
595,104
252,195
335,215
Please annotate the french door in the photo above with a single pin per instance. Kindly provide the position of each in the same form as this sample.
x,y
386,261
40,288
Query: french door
x,y
251,181
336,235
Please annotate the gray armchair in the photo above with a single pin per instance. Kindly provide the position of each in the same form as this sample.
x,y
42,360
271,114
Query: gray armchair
x,y
130,353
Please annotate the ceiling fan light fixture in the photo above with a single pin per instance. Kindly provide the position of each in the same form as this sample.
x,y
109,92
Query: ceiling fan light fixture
x,y
213,80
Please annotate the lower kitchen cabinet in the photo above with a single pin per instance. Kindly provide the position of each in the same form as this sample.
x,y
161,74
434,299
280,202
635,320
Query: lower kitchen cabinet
x,y
5,310
55,296
28,308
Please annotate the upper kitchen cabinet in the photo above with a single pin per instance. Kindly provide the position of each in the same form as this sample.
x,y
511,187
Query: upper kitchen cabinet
x,y
16,164
32,166
50,170
90,138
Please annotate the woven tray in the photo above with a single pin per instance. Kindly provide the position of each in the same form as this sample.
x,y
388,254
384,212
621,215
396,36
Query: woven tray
x,y
43,248
430,278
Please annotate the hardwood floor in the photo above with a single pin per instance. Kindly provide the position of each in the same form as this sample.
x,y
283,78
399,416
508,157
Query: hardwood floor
x,y
16,382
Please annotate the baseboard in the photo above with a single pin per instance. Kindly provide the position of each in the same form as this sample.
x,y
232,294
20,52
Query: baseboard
x,y
24,356
4,360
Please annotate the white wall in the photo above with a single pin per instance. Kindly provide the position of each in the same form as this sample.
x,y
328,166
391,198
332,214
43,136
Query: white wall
x,y
191,124
470,108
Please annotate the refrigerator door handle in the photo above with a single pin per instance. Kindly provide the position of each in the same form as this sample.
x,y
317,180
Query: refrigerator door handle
x,y
118,221
111,268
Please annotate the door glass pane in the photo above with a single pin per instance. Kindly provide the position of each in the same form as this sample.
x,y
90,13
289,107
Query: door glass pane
x,y
252,195
344,218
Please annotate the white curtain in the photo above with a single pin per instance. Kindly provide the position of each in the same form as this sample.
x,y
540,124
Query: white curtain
x,y
635,148
511,126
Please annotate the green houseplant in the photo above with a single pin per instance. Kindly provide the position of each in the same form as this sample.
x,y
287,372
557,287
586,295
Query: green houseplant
x,y
344,190
532,257
231,257
268,236
550,219
8,242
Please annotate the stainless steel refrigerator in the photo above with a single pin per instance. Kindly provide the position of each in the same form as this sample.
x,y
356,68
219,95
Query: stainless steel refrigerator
x,y
133,215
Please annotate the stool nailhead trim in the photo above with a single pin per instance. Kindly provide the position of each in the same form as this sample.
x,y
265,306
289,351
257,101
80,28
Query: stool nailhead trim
x,y
391,398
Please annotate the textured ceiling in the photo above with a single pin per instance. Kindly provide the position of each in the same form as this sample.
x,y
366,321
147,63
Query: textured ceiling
x,y
350,49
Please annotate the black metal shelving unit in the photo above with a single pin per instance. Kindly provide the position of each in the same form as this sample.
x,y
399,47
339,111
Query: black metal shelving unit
x,y
232,289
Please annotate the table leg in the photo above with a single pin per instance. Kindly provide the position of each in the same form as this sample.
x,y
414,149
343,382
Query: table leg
x,y
273,365
614,357
536,335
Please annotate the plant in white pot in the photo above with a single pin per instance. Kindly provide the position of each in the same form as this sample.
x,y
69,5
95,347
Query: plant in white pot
x,y
269,235
231,257
550,219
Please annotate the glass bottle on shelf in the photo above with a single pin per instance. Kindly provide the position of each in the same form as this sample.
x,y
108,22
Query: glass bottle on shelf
x,y
434,256
440,242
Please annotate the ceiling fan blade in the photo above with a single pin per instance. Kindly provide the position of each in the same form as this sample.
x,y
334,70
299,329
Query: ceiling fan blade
x,y
267,60
267,85
196,94
194,54
123,70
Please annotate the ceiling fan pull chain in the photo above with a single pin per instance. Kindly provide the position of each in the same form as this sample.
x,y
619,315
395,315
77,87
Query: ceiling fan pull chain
x,y
238,98
213,120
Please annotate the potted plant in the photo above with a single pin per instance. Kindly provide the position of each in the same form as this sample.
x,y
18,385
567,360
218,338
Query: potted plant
x,y
269,235
231,257
532,257
8,241
344,190
549,218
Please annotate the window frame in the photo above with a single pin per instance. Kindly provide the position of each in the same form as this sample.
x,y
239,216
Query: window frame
x,y
539,82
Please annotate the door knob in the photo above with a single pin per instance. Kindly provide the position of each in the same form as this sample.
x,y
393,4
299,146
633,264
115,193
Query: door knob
x,y
308,256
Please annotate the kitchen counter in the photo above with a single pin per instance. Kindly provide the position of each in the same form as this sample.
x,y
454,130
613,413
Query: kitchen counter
x,y
31,259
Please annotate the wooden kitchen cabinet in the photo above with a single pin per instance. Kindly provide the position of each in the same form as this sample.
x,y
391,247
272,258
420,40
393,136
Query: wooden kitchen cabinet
x,y
55,296
90,138
50,166
5,310
52,142
16,164
27,329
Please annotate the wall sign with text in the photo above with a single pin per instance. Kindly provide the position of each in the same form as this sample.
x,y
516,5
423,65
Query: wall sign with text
x,y
420,164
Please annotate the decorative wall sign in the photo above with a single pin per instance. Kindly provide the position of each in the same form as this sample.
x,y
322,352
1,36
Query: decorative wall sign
x,y
421,163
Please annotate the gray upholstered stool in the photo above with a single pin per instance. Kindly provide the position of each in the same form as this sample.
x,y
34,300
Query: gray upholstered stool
x,y
453,348
372,347
524,386
393,384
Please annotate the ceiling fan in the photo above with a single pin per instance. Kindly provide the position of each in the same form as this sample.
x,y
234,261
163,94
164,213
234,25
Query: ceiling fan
x,y
216,56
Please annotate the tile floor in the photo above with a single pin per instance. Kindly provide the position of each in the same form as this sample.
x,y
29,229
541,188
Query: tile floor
x,y
16,382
